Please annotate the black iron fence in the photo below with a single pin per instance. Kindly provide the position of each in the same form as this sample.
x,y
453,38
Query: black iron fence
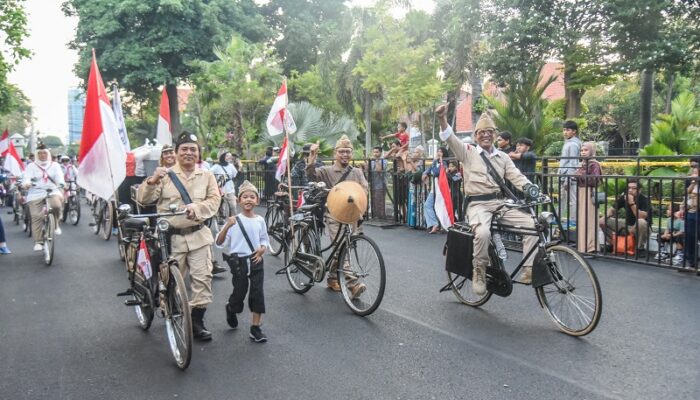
x,y
597,214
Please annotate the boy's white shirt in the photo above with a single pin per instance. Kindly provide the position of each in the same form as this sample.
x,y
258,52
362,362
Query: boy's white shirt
x,y
257,232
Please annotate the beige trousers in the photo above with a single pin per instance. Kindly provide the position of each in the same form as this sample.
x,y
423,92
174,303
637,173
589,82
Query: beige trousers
x,y
480,215
198,264
587,220
35,211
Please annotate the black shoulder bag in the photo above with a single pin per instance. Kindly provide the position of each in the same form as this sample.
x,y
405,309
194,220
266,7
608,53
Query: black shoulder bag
x,y
180,188
347,172
250,245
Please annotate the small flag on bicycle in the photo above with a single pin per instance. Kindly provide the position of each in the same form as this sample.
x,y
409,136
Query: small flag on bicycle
x,y
282,161
144,260
443,200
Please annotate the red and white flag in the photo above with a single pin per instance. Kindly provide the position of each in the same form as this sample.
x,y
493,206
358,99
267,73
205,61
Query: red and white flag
x,y
143,260
13,162
164,134
443,200
300,199
102,157
4,141
280,118
282,161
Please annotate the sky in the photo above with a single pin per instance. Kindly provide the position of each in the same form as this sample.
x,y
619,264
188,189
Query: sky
x,y
47,76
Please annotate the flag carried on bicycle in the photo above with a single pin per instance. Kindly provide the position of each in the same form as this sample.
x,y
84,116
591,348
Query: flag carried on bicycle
x,y
143,260
444,208
282,160
280,119
13,162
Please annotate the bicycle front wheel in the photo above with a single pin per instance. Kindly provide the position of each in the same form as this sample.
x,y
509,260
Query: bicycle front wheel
x,y
275,229
573,300
361,275
462,288
145,311
306,243
49,238
74,210
179,320
106,222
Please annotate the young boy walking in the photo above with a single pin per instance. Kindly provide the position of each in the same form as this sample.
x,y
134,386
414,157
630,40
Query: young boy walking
x,y
246,238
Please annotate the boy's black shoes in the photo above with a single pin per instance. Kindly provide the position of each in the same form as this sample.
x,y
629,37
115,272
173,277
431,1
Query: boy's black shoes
x,y
256,334
231,318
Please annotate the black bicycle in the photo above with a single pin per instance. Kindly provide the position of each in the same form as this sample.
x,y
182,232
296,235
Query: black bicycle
x,y
102,212
71,205
564,282
157,285
361,272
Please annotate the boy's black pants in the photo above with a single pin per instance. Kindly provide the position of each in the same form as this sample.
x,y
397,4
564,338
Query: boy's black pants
x,y
241,284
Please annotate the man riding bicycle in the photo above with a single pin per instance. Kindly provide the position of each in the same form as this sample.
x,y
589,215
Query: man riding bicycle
x,y
483,194
45,175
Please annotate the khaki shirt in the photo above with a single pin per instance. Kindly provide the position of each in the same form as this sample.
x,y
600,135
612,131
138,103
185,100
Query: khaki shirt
x,y
331,174
204,192
477,180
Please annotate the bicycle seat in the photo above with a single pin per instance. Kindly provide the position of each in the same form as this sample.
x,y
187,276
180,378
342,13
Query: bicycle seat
x,y
308,207
134,223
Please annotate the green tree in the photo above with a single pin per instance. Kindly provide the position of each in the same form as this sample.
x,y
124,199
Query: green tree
x,y
13,31
20,117
233,94
678,132
52,141
529,32
301,26
317,89
144,44
523,112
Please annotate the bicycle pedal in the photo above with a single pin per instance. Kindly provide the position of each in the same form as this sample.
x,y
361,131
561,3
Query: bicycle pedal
x,y
131,303
92,224
128,292
307,284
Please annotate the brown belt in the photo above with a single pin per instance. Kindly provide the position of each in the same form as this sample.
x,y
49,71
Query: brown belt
x,y
185,231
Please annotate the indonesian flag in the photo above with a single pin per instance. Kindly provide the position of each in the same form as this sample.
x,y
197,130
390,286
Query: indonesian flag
x,y
279,118
119,116
300,199
4,141
443,200
102,157
143,260
13,162
163,133
282,161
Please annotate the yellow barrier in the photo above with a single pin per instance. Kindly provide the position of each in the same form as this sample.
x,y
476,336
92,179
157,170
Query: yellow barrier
x,y
622,164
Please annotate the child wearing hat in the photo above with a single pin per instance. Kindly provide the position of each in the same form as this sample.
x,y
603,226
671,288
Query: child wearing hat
x,y
246,239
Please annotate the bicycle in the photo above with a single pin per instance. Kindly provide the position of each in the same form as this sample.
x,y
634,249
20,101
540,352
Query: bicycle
x,y
359,259
573,304
102,212
48,229
71,206
164,288
275,217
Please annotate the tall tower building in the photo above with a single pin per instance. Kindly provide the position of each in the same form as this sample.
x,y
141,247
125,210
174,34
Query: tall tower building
x,y
76,111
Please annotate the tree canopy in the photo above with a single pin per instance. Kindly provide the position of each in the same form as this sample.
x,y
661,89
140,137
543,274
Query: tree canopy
x,y
13,31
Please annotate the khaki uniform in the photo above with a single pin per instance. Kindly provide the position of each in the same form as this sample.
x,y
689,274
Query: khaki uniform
x,y
477,182
330,175
192,249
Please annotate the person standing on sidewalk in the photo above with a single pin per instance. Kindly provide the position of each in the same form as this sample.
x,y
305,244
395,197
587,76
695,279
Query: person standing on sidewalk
x,y
567,170
587,179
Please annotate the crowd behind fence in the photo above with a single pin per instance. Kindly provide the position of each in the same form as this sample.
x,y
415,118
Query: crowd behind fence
x,y
402,198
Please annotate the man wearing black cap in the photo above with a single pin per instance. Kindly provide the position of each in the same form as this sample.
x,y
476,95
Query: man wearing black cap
x,y
190,238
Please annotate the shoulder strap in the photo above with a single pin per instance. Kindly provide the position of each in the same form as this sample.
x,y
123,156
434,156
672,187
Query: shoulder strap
x,y
345,174
245,234
496,177
180,187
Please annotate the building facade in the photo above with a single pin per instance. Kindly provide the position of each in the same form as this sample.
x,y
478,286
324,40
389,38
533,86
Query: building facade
x,y
76,111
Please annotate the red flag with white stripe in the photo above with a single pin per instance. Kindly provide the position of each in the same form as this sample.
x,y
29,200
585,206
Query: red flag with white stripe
x,y
102,157
280,118
443,200
164,134
4,141
143,260
282,161
13,162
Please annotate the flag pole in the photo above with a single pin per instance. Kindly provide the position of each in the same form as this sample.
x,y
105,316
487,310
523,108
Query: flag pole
x,y
289,174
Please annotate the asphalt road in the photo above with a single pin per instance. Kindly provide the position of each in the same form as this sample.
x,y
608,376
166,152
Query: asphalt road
x,y
65,335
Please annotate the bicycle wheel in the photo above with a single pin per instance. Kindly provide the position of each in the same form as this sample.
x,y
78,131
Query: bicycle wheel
x,y
27,222
49,238
274,218
145,311
362,264
462,289
178,323
106,227
306,243
17,211
573,301
73,210
64,211
96,216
